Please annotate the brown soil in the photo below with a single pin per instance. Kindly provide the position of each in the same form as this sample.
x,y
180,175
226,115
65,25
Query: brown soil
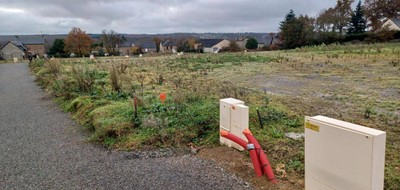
x,y
240,164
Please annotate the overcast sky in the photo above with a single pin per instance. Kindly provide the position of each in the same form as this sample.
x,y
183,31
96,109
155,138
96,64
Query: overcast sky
x,y
152,17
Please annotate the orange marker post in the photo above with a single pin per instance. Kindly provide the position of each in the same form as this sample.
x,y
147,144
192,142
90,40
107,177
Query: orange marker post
x,y
163,96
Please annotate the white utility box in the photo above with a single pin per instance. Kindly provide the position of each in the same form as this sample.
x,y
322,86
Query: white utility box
x,y
341,155
233,117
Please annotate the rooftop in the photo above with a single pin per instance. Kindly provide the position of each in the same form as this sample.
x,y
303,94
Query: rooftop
x,y
207,43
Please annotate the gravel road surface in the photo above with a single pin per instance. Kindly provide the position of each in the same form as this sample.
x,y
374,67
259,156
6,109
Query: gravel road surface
x,y
42,148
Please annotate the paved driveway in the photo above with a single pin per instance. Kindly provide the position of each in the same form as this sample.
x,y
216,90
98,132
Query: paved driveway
x,y
42,148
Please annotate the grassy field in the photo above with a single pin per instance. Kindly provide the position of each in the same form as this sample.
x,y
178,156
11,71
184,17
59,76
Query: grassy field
x,y
355,83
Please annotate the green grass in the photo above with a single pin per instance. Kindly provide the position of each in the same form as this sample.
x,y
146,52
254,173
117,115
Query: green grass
x,y
355,83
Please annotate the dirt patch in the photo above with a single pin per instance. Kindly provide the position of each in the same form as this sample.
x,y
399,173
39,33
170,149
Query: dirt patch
x,y
391,93
278,84
240,164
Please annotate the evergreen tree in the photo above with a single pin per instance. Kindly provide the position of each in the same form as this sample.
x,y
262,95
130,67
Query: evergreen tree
x,y
358,22
58,47
252,43
292,31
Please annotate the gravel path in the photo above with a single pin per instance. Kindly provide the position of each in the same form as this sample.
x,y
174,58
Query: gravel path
x,y
42,148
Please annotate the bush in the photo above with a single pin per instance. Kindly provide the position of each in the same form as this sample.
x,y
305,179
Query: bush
x,y
251,43
328,38
233,47
53,67
115,80
383,35
61,55
85,78
397,35
353,37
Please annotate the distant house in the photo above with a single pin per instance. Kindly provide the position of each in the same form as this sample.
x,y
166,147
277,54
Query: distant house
x,y
125,48
241,42
264,41
13,49
168,46
147,45
212,45
130,45
392,24
35,45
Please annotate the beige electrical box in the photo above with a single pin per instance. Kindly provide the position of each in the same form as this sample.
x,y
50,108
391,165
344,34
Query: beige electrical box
x,y
341,155
233,117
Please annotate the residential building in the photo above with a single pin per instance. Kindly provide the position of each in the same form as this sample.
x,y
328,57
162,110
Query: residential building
x,y
125,48
13,49
29,44
168,46
241,42
147,45
264,41
212,45
392,24
35,45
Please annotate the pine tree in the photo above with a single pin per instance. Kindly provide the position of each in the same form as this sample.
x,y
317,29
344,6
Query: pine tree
x,y
289,17
358,22
58,47
294,31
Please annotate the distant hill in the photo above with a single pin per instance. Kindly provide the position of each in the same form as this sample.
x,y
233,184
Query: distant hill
x,y
198,35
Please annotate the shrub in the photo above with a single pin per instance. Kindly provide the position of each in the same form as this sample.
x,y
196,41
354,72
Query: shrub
x,y
353,37
251,43
85,78
397,35
115,80
53,67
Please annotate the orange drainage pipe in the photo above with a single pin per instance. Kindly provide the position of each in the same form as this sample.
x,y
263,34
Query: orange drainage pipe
x,y
254,159
250,147
266,166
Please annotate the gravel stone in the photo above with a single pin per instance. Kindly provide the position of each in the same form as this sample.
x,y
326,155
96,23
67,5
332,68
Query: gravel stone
x,y
42,148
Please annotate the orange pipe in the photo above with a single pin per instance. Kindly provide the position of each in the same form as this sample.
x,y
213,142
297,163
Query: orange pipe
x,y
249,147
234,138
254,160
266,166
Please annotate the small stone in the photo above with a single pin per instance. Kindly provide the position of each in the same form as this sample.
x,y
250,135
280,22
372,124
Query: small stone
x,y
300,182
397,168
295,136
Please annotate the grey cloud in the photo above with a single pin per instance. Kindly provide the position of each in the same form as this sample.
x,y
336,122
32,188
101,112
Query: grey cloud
x,y
156,16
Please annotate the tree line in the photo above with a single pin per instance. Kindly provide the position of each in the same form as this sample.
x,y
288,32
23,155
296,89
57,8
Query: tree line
x,y
335,24
340,24
80,43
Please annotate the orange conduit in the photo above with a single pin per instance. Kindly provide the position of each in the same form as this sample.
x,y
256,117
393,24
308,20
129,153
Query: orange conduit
x,y
250,147
266,166
234,138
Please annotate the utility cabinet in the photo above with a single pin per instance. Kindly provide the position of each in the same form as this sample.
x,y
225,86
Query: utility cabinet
x,y
233,117
341,155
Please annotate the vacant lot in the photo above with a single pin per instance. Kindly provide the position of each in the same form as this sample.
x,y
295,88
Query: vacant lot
x,y
355,83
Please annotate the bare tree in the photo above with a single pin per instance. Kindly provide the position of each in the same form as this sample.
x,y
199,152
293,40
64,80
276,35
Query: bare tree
x,y
110,40
378,10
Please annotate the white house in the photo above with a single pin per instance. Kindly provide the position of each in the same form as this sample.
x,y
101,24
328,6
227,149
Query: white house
x,y
213,45
392,24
